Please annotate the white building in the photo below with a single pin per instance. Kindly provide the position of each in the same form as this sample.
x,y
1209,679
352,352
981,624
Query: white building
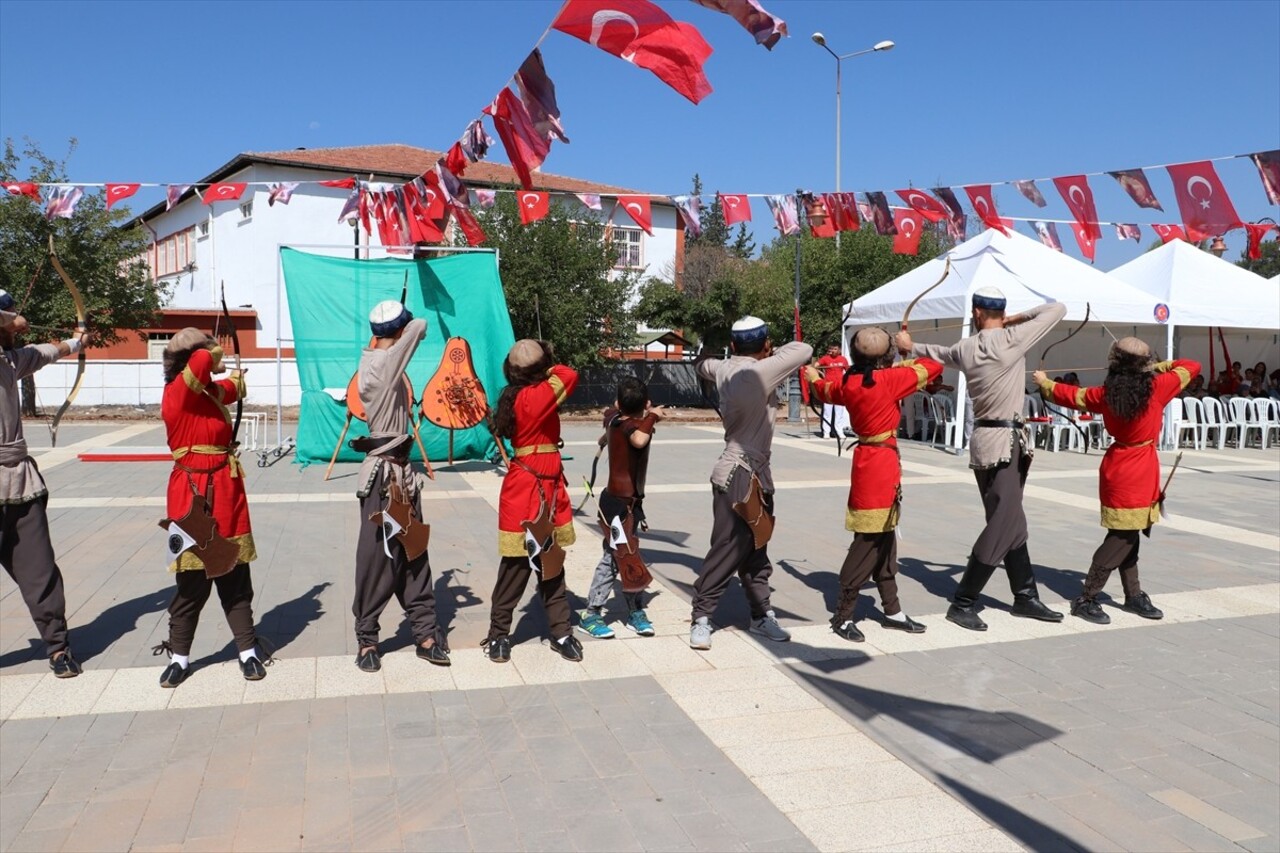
x,y
198,247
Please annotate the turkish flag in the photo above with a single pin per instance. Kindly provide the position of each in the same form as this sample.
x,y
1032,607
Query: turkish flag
x,y
736,208
909,224
341,183
223,192
469,224
525,147
984,204
1079,198
421,224
931,209
1202,200
1085,237
1256,232
533,206
27,188
844,209
637,207
1169,232
456,161
119,192
639,32
431,196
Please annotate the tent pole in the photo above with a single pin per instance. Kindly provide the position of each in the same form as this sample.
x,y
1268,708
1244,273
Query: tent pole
x,y
962,389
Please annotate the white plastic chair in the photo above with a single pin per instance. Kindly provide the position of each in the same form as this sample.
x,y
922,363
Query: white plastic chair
x,y
1193,416
1266,418
1059,426
947,423
926,418
1241,421
1213,419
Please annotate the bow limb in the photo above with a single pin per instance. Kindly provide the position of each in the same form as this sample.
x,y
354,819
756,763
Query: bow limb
x,y
235,346
906,315
1075,422
81,326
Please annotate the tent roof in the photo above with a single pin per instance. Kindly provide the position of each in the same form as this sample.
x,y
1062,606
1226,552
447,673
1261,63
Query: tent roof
x,y
1026,271
1202,290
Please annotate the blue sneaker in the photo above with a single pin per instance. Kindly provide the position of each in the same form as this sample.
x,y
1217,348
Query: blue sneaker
x,y
593,626
639,622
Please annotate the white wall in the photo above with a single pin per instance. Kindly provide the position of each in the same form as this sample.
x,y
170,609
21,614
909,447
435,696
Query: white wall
x,y
141,383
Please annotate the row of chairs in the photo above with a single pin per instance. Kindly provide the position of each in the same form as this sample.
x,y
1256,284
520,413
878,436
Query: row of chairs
x,y
1052,430
1210,423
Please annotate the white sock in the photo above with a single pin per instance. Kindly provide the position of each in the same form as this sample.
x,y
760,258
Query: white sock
x,y
181,660
252,653
848,623
896,617
563,639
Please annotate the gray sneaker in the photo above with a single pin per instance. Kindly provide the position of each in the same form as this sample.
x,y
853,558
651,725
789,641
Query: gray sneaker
x,y
700,634
769,628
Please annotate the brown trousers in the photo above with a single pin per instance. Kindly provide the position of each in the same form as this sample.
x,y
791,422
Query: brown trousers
x,y
513,577
235,591
732,551
1119,550
871,556
1001,490
377,578
26,552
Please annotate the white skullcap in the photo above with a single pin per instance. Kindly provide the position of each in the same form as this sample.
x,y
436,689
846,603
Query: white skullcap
x,y
990,298
749,330
388,317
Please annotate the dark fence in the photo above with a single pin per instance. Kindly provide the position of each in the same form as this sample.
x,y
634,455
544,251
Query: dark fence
x,y
671,383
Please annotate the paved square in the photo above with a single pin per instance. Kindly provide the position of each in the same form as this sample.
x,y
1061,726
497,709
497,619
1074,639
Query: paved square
x,y
1138,735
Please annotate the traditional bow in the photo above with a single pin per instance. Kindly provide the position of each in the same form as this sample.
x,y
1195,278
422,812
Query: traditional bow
x,y
906,315
81,326
1084,434
235,347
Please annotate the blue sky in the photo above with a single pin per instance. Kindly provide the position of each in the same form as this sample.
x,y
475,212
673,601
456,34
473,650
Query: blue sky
x,y
974,92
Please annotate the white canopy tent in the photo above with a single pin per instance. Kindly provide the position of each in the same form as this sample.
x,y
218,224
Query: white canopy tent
x,y
1026,271
1202,290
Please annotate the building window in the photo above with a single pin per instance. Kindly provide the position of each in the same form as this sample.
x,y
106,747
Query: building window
x,y
156,342
203,230
627,243
246,209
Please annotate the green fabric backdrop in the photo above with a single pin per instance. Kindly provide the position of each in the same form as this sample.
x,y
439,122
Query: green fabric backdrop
x,y
329,303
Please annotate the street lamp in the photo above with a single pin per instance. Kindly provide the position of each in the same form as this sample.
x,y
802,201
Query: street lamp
x,y
820,40
1218,247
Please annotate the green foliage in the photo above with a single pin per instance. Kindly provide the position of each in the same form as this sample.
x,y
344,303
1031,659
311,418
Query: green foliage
x,y
743,246
1268,266
559,281
101,258
714,231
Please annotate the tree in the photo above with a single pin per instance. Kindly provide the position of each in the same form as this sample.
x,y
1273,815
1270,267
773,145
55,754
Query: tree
x,y
1268,266
714,232
104,260
559,281
743,246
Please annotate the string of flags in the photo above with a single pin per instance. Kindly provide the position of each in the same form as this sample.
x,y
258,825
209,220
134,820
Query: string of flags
x,y
527,120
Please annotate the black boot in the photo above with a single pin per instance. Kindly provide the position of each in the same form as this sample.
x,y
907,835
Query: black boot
x,y
963,610
1022,582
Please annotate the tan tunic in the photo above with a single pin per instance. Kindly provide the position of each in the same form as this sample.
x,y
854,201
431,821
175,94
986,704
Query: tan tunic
x,y
387,408
748,406
994,362
20,480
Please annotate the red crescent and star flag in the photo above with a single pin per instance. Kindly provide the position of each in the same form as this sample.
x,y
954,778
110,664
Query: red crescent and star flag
x,y
909,224
1169,232
1079,198
1256,231
984,204
119,192
224,192
929,208
736,208
1206,208
639,32
533,205
26,188
637,207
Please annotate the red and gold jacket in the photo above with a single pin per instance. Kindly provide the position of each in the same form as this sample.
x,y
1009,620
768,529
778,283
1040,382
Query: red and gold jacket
x,y
536,467
874,413
1129,477
198,427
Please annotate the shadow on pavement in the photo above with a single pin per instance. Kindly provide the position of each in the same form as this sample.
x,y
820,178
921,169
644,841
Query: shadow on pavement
x,y
90,640
1022,827
278,627
941,580
986,735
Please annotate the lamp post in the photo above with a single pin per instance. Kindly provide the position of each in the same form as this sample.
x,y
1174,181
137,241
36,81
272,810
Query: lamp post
x,y
1218,247
821,41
